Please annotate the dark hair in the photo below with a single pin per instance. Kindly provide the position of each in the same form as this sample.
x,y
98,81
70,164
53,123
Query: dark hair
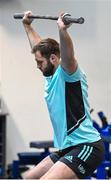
x,y
47,47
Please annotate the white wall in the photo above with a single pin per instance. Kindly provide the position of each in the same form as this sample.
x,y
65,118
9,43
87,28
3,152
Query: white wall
x,y
22,84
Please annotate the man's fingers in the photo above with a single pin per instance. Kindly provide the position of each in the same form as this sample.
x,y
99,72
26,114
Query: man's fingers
x,y
27,20
27,14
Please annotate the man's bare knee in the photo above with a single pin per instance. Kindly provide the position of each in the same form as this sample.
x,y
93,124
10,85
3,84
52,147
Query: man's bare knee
x,y
30,175
59,171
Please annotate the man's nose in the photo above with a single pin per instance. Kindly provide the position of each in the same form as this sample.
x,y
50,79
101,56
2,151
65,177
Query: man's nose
x,y
38,66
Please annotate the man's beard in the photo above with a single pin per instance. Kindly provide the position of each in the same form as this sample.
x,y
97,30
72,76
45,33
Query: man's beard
x,y
49,70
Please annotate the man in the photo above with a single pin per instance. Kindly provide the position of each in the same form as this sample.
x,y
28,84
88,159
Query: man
x,y
80,146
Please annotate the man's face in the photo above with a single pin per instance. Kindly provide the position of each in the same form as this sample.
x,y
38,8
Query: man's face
x,y
45,66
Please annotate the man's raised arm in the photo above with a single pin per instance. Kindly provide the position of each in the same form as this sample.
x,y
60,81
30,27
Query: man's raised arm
x,y
33,36
68,60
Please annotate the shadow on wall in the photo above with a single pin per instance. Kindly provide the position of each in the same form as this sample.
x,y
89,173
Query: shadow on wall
x,y
7,9
7,2
14,140
9,5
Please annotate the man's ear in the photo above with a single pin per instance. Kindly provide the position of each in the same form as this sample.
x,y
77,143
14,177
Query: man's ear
x,y
53,58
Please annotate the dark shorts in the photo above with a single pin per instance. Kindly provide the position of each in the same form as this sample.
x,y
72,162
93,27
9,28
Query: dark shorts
x,y
83,159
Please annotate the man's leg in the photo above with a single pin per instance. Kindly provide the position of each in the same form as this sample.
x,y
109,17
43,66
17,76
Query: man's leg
x,y
59,171
40,169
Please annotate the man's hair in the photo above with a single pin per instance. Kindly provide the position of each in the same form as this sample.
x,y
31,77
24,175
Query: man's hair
x,y
47,47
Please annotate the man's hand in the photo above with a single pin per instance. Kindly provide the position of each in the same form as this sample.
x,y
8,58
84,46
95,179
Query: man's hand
x,y
26,20
60,22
